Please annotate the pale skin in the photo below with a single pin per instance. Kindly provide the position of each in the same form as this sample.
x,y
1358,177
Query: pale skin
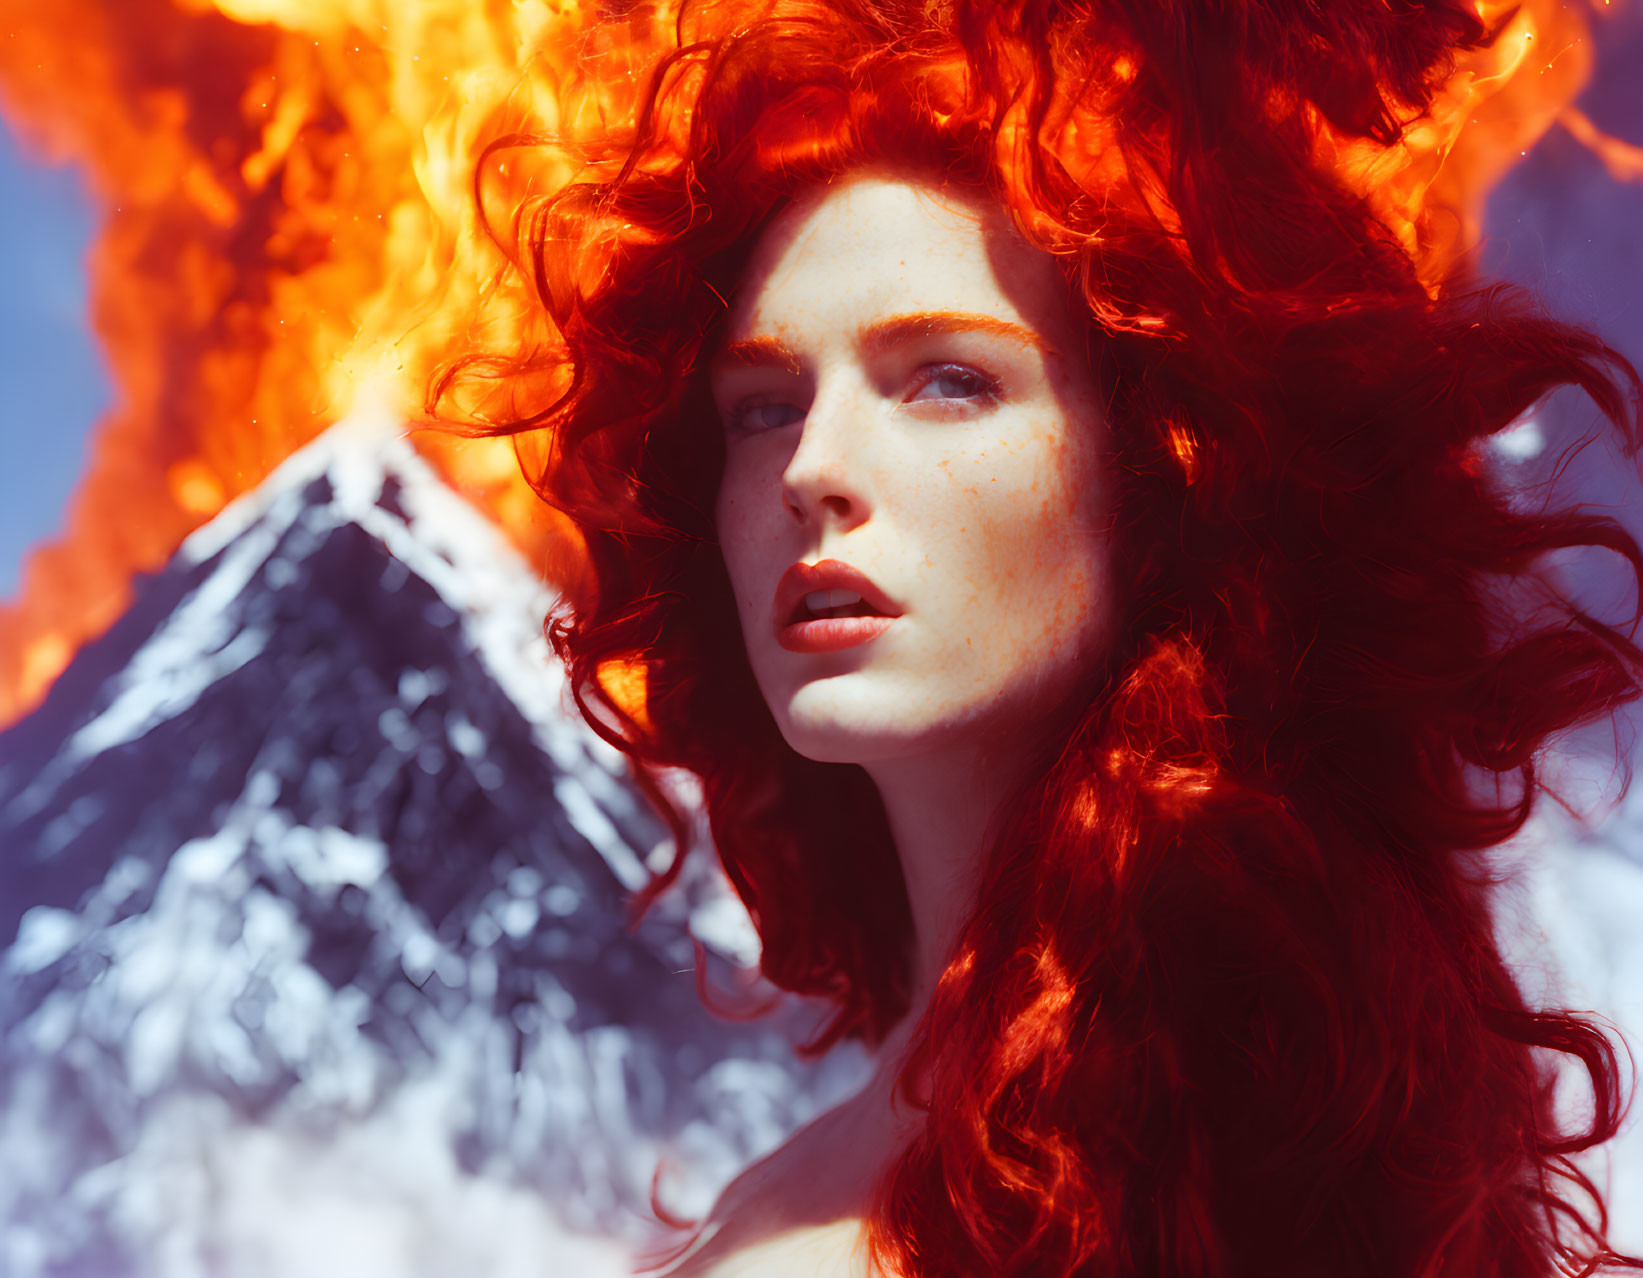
x,y
904,390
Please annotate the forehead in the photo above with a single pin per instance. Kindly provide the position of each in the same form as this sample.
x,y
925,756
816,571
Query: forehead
x,y
873,246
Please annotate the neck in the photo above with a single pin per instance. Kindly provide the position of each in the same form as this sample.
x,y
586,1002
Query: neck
x,y
939,809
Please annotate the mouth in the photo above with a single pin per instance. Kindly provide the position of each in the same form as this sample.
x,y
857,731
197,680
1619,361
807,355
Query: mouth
x,y
820,605
829,605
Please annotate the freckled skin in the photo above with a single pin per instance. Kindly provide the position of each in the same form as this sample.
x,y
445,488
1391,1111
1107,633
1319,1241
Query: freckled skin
x,y
980,515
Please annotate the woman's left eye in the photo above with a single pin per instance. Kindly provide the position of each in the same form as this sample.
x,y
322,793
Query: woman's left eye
x,y
953,382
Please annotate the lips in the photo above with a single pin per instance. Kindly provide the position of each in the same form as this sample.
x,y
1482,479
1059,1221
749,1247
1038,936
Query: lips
x,y
798,629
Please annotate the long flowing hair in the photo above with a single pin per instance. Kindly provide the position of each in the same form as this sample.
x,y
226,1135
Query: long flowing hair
x,y
1229,1001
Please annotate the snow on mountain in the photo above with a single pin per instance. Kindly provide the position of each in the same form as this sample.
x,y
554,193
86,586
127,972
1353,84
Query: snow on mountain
x,y
314,891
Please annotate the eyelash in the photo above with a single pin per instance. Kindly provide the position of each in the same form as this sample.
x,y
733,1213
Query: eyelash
x,y
986,393
987,387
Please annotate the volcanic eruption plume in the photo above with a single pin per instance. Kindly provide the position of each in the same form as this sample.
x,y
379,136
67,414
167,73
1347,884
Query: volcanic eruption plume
x,y
290,227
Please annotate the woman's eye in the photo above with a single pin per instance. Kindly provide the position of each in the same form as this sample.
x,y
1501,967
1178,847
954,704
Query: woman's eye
x,y
757,416
953,382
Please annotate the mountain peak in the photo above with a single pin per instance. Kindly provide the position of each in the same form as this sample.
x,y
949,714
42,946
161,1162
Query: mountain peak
x,y
311,831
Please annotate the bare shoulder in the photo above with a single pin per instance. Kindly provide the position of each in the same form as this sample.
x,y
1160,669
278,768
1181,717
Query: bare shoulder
x,y
800,1212
834,1250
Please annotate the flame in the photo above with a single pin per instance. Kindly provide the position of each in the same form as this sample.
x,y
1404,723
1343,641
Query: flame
x,y
1431,187
289,230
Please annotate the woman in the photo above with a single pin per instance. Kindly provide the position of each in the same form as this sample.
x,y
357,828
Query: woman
x,y
1039,498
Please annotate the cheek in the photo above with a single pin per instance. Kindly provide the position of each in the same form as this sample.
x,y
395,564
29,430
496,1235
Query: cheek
x,y
1030,505
739,536
1031,542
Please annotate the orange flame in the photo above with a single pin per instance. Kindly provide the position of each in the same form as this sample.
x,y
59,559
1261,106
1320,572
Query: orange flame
x,y
1431,187
289,234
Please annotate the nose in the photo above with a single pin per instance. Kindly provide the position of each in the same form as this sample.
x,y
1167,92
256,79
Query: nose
x,y
824,480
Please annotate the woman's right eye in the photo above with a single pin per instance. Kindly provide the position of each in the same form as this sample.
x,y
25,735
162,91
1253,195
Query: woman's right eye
x,y
758,415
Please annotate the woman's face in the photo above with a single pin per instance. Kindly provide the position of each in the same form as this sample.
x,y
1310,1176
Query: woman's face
x,y
912,508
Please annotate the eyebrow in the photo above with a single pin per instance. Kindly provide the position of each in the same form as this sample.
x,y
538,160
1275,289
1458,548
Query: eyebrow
x,y
760,352
900,329
878,337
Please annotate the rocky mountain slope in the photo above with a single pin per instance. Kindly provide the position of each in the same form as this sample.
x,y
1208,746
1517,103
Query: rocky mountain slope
x,y
316,959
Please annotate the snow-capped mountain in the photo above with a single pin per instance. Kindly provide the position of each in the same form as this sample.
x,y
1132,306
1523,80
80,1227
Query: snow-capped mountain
x,y
312,893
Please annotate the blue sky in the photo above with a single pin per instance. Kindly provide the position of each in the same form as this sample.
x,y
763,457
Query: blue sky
x,y
53,380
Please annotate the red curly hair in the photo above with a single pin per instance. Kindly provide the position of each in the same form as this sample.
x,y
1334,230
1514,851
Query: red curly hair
x,y
1229,1002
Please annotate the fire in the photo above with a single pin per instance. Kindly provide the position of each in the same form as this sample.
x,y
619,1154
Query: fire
x,y
1430,189
290,233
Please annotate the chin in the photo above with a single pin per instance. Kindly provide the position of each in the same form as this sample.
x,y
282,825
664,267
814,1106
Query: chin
x,y
824,740
831,729
832,726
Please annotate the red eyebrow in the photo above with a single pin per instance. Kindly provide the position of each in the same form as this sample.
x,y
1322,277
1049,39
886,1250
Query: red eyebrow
x,y
906,328
757,352
769,352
